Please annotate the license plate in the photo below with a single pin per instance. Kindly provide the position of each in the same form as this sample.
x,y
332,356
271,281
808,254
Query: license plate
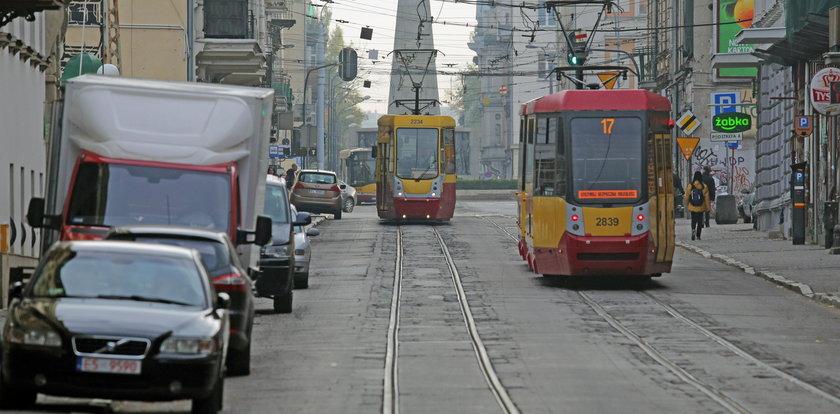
x,y
317,191
110,366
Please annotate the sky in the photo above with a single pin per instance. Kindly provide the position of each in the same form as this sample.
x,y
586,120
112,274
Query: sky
x,y
380,15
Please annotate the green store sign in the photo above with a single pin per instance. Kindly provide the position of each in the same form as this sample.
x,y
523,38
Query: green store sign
x,y
732,122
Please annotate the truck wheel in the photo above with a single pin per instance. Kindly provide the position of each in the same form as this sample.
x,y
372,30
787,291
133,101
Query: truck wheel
x,y
302,281
283,303
337,214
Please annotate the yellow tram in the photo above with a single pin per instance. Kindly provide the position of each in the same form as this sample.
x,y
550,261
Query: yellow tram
x,y
596,191
415,167
357,169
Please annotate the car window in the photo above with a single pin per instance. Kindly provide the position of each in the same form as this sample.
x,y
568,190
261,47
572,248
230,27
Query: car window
x,y
89,274
276,205
214,255
317,178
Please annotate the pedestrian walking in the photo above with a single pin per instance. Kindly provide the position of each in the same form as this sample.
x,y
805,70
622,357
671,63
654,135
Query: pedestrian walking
x,y
290,175
272,170
710,184
698,201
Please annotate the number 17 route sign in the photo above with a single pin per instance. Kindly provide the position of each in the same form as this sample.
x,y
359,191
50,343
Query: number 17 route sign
x,y
687,146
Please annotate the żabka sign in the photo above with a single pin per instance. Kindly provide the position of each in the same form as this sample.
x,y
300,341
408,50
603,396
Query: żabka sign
x,y
731,122
821,91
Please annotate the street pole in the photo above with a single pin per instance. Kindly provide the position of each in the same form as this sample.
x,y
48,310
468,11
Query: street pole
x,y
319,146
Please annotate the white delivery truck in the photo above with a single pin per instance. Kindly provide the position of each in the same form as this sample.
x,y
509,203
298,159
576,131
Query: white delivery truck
x,y
135,151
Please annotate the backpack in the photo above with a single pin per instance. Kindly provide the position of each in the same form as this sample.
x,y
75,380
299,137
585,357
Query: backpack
x,y
696,196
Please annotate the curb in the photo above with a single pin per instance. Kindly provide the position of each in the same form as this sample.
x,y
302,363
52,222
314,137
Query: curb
x,y
798,287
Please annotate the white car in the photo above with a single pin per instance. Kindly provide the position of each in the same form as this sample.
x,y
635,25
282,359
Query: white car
x,y
303,253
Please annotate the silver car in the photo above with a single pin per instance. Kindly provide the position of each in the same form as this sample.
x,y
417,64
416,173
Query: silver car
x,y
303,252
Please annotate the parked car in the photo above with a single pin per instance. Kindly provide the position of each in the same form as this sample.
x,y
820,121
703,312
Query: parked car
x,y
348,196
226,274
116,320
317,191
277,259
303,253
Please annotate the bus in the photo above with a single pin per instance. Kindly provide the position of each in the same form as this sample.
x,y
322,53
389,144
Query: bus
x,y
415,167
596,192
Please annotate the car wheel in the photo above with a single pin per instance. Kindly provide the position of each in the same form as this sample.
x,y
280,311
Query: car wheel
x,y
302,281
16,398
348,205
239,361
212,403
283,303
337,214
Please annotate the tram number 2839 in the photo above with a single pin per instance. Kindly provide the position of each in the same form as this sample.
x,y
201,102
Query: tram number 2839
x,y
606,221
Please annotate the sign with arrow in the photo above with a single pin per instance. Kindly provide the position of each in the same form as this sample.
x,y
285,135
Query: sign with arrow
x,y
687,146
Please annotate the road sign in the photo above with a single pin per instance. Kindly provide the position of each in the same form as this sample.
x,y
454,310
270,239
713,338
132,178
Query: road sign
x,y
727,136
688,122
804,125
687,146
725,102
733,144
273,151
608,78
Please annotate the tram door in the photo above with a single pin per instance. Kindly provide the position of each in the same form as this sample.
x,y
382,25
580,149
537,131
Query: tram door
x,y
384,170
664,182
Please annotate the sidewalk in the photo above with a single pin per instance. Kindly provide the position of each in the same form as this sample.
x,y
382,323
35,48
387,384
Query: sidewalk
x,y
805,269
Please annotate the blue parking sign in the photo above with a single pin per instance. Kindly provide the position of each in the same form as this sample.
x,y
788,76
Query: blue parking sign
x,y
725,102
803,121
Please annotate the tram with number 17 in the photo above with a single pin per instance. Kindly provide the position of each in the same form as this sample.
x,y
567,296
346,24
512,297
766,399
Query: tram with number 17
x,y
415,167
357,169
596,193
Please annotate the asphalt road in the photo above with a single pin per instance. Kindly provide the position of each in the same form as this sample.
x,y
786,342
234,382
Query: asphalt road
x,y
704,338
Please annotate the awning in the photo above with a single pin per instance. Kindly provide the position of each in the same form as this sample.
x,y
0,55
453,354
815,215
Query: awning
x,y
808,43
760,35
734,60
238,61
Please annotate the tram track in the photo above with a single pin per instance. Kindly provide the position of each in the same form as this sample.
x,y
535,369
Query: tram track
x,y
391,394
724,400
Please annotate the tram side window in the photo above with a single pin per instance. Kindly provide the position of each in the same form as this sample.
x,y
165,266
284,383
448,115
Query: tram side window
x,y
560,162
529,153
545,158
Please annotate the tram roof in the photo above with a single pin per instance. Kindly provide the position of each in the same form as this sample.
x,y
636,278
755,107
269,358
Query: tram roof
x,y
598,100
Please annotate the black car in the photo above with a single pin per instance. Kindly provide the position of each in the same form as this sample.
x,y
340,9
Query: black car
x,y
277,259
226,274
117,320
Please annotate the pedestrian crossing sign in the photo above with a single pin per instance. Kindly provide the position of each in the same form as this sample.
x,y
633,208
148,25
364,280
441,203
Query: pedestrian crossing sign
x,y
687,146
688,122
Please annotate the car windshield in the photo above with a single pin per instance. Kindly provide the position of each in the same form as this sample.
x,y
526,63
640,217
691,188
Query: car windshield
x,y
276,205
607,159
119,275
115,195
214,255
417,153
317,178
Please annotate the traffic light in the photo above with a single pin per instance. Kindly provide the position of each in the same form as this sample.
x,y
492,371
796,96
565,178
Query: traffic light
x,y
347,64
576,52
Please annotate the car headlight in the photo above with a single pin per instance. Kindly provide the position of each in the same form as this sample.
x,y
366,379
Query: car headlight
x,y
37,334
190,346
300,252
276,251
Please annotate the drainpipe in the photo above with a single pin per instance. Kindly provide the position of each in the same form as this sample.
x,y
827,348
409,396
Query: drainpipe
x,y
190,40
320,128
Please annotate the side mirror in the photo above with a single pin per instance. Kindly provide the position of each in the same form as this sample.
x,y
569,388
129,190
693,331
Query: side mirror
x,y
373,151
36,216
343,186
16,291
263,232
222,300
303,219
313,232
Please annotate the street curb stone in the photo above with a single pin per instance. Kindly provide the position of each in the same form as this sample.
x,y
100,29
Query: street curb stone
x,y
798,287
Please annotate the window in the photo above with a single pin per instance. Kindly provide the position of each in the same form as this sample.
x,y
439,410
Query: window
x,y
360,171
607,159
115,194
546,18
317,178
214,255
417,153
545,155
276,206
85,12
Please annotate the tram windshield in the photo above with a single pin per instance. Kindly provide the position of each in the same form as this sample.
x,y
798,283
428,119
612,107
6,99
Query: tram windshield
x,y
360,172
417,153
607,159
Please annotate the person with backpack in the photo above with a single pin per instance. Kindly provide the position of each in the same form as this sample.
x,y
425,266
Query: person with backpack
x,y
698,202
710,184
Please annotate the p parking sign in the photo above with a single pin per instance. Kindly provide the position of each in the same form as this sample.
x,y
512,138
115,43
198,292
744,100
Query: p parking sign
x,y
804,125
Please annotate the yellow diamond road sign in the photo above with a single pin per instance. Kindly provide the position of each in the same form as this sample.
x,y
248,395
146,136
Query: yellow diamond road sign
x,y
688,122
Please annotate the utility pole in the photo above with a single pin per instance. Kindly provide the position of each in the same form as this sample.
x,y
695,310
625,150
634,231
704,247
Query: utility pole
x,y
320,129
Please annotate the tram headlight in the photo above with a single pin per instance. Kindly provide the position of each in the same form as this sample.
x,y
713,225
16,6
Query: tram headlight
x,y
639,227
576,227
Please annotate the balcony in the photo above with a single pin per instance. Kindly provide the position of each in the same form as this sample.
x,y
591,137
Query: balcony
x,y
11,9
229,51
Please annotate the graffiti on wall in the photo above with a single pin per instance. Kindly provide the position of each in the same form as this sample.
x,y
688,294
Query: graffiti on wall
x,y
740,163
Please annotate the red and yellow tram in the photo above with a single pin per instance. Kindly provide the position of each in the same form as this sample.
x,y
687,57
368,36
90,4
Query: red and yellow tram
x,y
415,167
596,191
